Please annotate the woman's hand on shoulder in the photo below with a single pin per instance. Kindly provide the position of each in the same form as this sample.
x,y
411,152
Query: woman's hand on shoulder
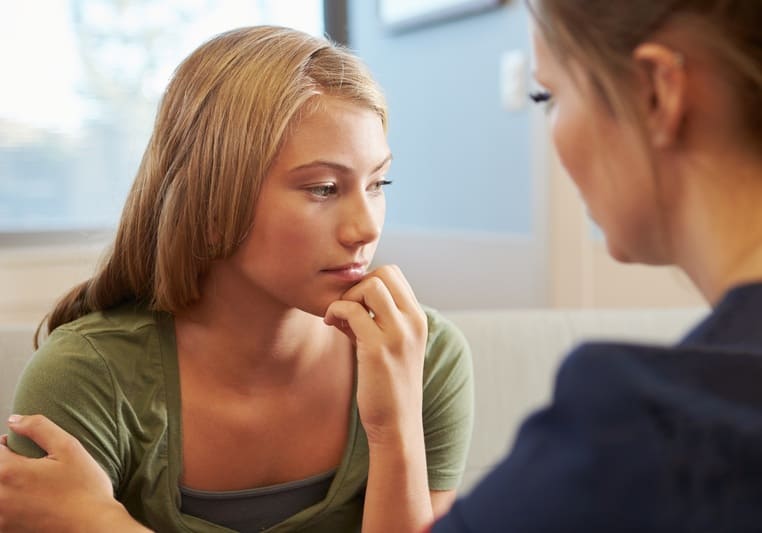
x,y
64,491
383,317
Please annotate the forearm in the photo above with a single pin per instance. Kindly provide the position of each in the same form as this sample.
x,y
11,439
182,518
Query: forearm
x,y
65,491
397,497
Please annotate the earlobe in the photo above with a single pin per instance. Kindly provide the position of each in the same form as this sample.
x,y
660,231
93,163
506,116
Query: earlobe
x,y
664,76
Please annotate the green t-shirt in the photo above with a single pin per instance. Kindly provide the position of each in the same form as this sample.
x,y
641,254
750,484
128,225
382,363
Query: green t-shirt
x,y
111,380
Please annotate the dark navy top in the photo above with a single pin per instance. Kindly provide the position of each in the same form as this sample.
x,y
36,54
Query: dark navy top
x,y
639,438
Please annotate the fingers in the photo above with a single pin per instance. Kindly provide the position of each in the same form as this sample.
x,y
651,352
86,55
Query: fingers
x,y
365,308
387,288
7,456
383,303
352,318
43,432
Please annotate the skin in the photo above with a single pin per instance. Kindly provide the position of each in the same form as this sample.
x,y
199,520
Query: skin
x,y
615,184
310,218
682,189
68,476
302,271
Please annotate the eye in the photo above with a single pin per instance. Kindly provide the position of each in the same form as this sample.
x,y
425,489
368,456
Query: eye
x,y
324,190
377,186
542,97
539,97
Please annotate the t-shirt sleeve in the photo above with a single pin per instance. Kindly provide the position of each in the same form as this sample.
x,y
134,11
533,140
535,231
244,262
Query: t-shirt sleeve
x,y
448,402
69,382
584,463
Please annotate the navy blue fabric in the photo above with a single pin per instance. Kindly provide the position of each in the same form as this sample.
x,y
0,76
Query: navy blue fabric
x,y
639,438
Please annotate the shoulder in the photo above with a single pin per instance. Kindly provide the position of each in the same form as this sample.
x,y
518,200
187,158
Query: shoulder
x,y
593,372
573,462
448,355
117,339
89,363
609,373
123,322
88,374
445,339
634,435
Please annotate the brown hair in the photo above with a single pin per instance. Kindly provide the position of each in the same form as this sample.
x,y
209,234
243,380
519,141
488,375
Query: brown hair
x,y
218,129
602,35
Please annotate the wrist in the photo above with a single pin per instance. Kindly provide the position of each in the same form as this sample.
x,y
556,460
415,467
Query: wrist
x,y
116,518
399,437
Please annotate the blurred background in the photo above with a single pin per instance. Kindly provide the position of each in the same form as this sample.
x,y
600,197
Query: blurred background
x,y
480,214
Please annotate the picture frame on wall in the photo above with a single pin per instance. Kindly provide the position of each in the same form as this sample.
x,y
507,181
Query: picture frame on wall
x,y
404,15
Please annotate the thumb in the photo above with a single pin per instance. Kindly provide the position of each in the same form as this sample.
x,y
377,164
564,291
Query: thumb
x,y
42,432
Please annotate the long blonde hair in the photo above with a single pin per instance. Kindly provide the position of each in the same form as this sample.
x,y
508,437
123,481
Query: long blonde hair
x,y
218,129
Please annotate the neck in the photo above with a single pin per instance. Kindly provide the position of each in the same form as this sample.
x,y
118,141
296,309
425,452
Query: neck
x,y
719,239
248,341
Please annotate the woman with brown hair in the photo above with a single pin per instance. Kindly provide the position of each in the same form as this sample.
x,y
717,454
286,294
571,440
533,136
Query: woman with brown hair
x,y
655,109
234,364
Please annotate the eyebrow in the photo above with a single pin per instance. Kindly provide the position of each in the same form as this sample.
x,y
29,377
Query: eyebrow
x,y
338,166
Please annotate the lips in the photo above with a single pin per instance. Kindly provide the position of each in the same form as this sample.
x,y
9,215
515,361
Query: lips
x,y
351,272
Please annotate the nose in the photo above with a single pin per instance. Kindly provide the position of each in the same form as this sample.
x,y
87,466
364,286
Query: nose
x,y
361,221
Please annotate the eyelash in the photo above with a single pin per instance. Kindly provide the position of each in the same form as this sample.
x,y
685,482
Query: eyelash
x,y
539,97
380,184
326,190
542,97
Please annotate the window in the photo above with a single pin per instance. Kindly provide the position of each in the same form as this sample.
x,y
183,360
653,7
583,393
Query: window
x,y
81,80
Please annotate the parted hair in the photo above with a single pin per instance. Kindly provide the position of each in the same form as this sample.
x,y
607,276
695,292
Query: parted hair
x,y
602,35
218,128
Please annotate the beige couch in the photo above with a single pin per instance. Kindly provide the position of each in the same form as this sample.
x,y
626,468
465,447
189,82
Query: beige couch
x,y
15,349
516,353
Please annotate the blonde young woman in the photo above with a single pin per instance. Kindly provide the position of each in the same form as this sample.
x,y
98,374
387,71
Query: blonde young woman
x,y
235,364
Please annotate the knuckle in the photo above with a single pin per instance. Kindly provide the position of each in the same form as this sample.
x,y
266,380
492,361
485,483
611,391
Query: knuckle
x,y
70,446
34,421
419,321
8,476
376,283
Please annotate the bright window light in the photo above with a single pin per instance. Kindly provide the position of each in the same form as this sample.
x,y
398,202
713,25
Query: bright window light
x,y
81,80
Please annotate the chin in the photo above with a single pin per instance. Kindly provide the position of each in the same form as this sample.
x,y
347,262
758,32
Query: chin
x,y
621,255
318,307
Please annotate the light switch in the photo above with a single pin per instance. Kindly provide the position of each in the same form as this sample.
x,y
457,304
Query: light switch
x,y
513,80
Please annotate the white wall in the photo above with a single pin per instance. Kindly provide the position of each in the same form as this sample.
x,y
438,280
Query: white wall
x,y
469,270
33,278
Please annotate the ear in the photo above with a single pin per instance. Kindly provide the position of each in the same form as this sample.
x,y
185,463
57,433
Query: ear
x,y
664,78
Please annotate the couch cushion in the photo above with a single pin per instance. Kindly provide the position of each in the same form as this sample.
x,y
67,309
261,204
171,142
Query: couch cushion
x,y
15,350
516,354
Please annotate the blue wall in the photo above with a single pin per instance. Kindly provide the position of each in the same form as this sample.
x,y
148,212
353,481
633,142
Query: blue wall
x,y
461,162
